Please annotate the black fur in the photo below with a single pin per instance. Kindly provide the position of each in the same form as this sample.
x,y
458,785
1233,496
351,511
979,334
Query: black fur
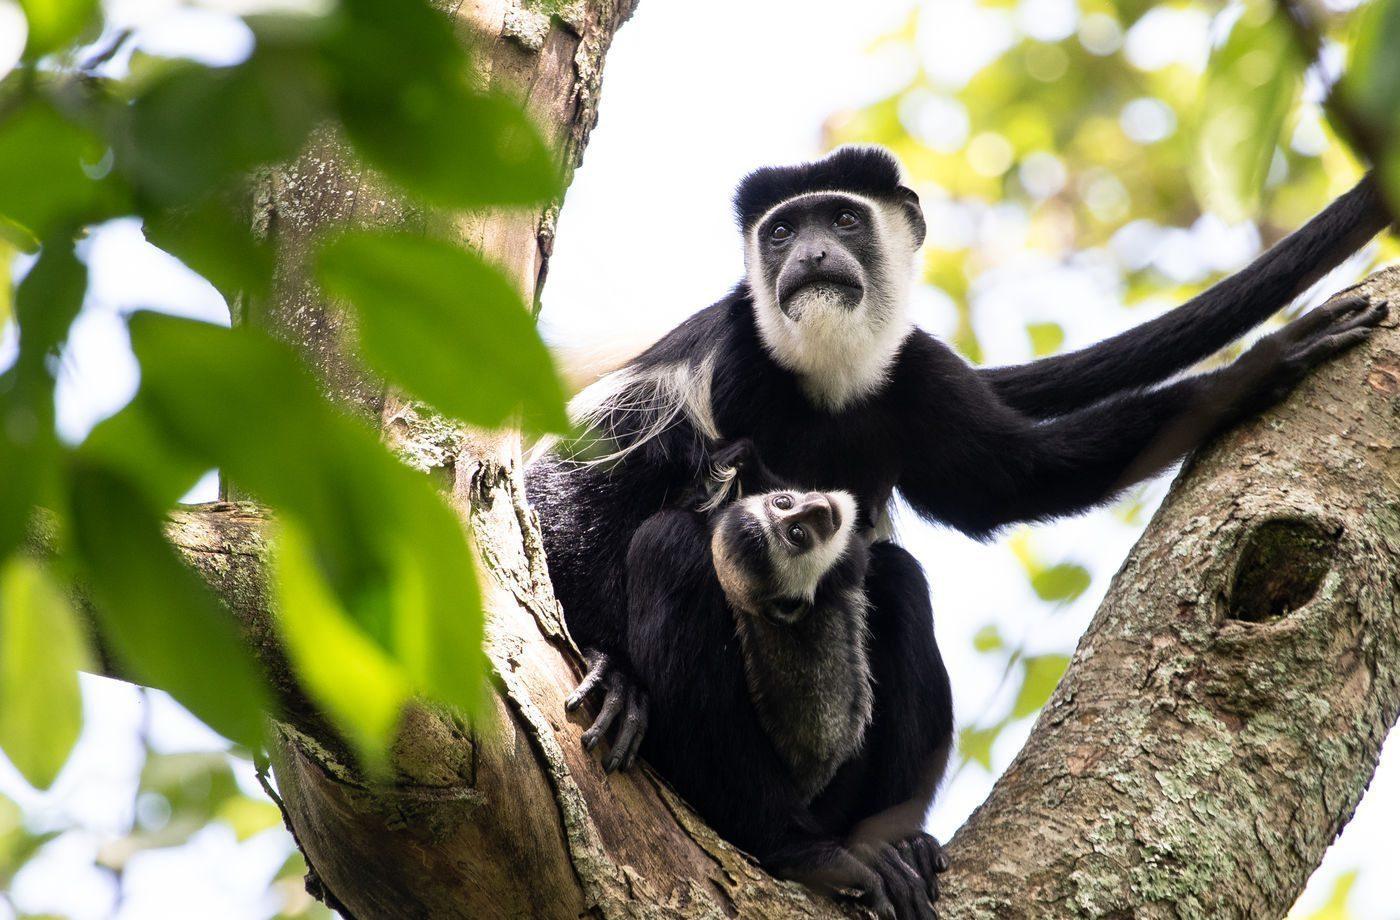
x,y
973,449
708,738
870,171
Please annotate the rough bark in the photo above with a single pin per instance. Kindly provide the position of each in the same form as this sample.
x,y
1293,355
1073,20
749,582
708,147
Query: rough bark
x,y
1208,742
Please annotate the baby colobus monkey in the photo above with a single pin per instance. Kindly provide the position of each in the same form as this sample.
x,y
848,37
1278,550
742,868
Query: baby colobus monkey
x,y
748,625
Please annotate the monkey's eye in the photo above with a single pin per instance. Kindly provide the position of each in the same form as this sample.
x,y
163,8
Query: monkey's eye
x,y
797,534
847,220
783,502
780,233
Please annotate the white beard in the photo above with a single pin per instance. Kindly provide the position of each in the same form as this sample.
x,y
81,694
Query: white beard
x,y
841,353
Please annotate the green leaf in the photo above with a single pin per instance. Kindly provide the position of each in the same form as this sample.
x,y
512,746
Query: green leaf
x,y
42,648
1372,79
53,24
195,127
162,623
401,89
45,304
7,287
1251,85
347,674
45,161
394,554
1041,675
17,843
1046,338
1061,583
447,326
975,744
988,639
212,240
179,795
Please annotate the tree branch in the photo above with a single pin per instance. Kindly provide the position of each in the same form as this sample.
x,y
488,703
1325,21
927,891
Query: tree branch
x,y
1225,709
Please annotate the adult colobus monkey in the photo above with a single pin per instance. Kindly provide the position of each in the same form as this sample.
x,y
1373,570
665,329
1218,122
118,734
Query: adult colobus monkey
x,y
813,357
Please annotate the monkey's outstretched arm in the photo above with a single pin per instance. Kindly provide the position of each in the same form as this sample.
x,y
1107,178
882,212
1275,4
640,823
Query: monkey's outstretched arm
x,y
1155,350
1008,468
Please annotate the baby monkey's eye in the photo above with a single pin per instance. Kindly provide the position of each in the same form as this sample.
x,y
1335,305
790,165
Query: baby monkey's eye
x,y
797,534
846,220
780,233
783,502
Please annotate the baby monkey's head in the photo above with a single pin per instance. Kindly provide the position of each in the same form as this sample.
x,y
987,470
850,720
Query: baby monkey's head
x,y
773,550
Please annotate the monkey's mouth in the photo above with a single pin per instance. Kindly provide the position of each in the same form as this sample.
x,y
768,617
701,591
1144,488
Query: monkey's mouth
x,y
838,288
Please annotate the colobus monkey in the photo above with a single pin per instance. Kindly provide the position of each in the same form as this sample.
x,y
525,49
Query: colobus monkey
x,y
748,625
813,357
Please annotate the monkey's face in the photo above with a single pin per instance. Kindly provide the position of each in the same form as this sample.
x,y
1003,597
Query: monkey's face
x,y
772,550
829,273
814,251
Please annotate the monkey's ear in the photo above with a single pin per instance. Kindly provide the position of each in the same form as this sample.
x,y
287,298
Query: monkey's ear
x,y
909,200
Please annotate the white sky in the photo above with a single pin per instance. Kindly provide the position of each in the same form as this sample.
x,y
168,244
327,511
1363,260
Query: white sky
x,y
694,96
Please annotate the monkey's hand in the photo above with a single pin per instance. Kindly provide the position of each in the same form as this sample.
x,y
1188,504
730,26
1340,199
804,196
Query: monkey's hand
x,y
622,695
905,888
924,854
1278,362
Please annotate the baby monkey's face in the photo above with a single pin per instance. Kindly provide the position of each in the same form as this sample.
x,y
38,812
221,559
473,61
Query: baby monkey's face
x,y
772,550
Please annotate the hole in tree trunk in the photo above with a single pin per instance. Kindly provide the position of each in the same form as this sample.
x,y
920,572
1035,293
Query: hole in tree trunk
x,y
1279,569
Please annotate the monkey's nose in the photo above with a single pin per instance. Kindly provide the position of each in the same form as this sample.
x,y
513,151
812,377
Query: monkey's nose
x,y
816,511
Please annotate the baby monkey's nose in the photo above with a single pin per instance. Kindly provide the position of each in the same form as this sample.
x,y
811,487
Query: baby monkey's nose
x,y
818,512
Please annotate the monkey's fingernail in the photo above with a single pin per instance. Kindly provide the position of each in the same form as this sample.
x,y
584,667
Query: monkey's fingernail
x,y
590,741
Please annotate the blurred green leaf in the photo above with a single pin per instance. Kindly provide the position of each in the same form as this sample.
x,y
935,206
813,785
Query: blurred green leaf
x,y
45,304
163,624
975,744
195,127
53,24
42,648
1046,338
46,169
1061,583
402,93
17,843
214,241
394,554
1372,79
7,263
179,795
1251,85
1040,676
359,685
446,325
988,639
1338,903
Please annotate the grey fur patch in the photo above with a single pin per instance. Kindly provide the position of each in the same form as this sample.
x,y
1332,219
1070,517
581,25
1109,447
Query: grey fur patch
x,y
810,682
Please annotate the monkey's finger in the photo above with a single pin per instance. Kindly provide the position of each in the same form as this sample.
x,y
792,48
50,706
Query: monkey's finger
x,y
1334,310
598,666
1372,317
921,858
612,705
1325,348
941,863
914,857
643,710
629,733
910,899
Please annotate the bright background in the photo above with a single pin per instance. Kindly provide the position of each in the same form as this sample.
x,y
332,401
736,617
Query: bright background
x,y
694,96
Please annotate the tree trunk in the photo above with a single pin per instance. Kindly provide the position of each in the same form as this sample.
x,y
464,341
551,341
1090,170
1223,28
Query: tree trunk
x,y
1217,726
